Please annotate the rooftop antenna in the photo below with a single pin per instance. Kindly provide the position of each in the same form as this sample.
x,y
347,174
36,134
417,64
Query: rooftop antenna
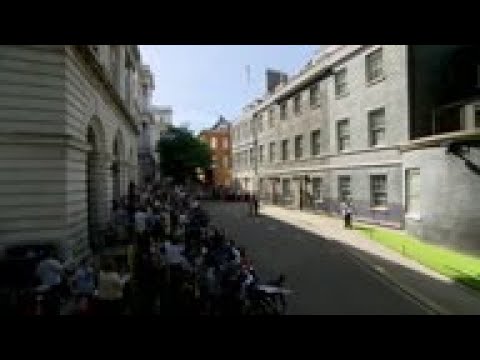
x,y
247,74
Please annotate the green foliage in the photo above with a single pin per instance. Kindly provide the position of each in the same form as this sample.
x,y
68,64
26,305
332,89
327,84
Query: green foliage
x,y
181,153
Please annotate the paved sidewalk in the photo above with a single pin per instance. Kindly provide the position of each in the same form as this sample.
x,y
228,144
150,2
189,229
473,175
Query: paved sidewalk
x,y
438,293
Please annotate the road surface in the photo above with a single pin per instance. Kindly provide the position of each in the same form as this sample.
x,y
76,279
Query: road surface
x,y
326,279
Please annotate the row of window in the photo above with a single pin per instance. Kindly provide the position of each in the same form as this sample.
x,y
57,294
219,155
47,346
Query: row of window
x,y
373,72
267,119
299,150
213,142
224,161
378,190
376,124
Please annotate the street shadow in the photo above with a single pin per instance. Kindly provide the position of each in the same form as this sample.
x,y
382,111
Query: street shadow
x,y
329,277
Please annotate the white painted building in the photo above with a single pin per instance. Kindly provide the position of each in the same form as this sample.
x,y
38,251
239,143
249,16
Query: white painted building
x,y
69,125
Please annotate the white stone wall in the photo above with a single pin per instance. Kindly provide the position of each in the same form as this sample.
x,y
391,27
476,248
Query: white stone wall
x,y
48,97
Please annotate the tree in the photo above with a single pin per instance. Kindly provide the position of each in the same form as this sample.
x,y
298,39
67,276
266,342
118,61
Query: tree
x,y
181,154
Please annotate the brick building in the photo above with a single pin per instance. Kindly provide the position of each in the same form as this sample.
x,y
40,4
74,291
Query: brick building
x,y
218,138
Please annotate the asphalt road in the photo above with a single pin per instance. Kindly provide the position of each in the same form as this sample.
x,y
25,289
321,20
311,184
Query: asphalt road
x,y
324,277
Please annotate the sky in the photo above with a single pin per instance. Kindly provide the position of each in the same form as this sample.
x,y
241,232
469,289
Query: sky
x,y
202,82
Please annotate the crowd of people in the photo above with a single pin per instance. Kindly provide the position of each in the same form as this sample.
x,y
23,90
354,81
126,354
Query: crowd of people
x,y
175,262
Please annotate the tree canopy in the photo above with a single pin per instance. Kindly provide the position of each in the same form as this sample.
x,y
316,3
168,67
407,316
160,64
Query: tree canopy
x,y
181,154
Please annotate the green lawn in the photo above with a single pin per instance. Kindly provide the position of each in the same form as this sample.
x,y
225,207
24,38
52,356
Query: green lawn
x,y
459,267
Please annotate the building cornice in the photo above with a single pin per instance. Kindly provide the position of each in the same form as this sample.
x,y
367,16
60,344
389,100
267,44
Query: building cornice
x,y
97,68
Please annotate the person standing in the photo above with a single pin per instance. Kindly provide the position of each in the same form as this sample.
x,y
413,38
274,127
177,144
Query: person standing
x,y
50,272
347,213
84,285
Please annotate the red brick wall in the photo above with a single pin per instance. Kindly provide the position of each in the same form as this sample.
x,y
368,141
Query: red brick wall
x,y
222,175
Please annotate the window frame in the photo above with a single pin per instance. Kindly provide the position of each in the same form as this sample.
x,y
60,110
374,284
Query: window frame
x,y
374,129
343,85
285,149
271,152
340,189
297,104
314,99
312,142
213,142
375,191
298,141
283,110
289,187
341,138
271,117
368,66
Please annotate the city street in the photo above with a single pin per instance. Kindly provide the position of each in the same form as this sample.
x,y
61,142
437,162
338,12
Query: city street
x,y
324,277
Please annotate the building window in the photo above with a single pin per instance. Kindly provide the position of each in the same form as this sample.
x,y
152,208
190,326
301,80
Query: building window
x,y
214,161
315,143
376,121
225,161
343,135
252,157
314,98
341,82
412,191
297,104
378,190
477,116
260,123
225,143
298,146
213,142
271,119
283,110
271,154
317,189
284,150
261,154
344,193
286,188
374,65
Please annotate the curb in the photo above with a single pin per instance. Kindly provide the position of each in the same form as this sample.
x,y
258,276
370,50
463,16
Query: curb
x,y
431,307
427,304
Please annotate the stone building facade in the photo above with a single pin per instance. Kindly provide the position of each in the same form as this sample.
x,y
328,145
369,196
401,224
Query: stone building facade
x,y
69,125
373,124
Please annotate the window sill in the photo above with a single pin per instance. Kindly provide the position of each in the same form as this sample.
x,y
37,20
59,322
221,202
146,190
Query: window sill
x,y
416,217
379,208
340,96
375,81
